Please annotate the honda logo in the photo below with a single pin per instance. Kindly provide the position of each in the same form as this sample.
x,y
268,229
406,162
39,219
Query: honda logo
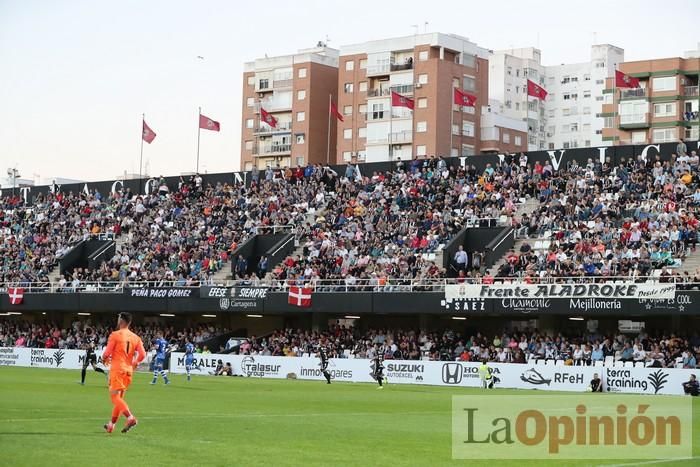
x,y
451,373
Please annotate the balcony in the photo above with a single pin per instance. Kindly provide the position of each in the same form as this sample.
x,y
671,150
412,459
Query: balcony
x,y
637,93
690,91
378,92
402,137
282,83
690,116
403,89
378,69
273,149
268,130
634,120
274,105
402,66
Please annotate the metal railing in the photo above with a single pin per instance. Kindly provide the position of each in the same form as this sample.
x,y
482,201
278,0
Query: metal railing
x,y
632,93
379,69
273,149
378,284
378,92
690,91
282,83
630,119
269,129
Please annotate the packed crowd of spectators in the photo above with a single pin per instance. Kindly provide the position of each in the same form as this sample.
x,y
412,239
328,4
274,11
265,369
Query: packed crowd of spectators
x,y
50,335
370,230
508,347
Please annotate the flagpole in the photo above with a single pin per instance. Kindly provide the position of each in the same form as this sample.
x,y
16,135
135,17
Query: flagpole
x,y
143,122
391,127
527,110
615,112
199,130
452,118
328,146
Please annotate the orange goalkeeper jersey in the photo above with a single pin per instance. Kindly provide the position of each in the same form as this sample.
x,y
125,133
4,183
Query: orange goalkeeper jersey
x,y
121,347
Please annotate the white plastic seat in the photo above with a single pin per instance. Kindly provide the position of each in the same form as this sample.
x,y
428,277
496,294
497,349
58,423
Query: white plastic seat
x,y
639,364
550,362
559,363
628,364
598,363
609,360
619,364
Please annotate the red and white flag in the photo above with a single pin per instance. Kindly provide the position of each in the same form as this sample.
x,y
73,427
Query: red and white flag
x,y
623,80
16,295
148,135
268,118
535,90
397,100
300,296
206,123
464,98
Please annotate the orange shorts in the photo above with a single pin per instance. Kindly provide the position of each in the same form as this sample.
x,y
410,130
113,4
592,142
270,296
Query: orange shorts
x,y
119,380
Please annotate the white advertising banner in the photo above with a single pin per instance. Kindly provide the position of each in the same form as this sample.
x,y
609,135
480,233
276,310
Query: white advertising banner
x,y
645,380
69,359
543,291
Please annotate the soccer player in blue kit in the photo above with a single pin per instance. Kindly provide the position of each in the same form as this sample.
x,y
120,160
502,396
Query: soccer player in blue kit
x,y
161,346
189,358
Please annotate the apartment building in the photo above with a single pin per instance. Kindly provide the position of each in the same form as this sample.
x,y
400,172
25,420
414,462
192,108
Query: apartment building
x,y
425,68
571,115
499,133
295,90
575,101
663,109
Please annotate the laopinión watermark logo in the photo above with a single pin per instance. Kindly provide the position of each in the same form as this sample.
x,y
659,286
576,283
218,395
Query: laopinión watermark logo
x,y
577,426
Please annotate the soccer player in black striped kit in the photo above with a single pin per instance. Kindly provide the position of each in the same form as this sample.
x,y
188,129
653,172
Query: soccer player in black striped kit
x,y
90,356
323,355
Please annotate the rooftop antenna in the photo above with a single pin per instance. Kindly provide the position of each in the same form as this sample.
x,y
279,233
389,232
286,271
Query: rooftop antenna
x,y
425,26
595,38
416,29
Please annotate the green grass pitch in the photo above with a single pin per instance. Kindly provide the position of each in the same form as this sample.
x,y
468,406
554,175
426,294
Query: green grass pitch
x,y
46,418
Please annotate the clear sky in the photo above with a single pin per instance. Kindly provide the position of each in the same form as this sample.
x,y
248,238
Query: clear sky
x,y
76,75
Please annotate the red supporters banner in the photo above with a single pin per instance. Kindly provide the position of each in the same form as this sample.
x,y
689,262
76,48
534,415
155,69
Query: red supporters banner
x,y
397,100
300,296
147,134
335,113
206,123
268,118
464,98
16,295
625,81
535,90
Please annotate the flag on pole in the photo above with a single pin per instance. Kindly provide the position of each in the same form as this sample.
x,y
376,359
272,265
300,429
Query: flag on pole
x,y
464,98
397,100
623,80
300,296
16,295
535,90
268,118
206,123
335,113
148,135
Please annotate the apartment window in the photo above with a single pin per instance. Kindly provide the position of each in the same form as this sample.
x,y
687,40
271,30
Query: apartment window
x,y
565,80
249,123
566,145
586,127
362,109
639,137
608,122
586,111
423,55
249,145
455,130
586,77
506,138
349,65
423,78
301,73
574,127
454,152
565,112
250,102
348,87
552,113
251,80
518,140
300,139
567,96
469,83
664,135
574,79
550,145
586,94
599,98
509,70
347,110
347,133
248,166
468,129
378,111
363,63
468,110
421,150
362,132
347,156
264,83
423,103
301,116
467,150
421,127
599,82
587,143
301,95
600,64
363,86
666,83
665,110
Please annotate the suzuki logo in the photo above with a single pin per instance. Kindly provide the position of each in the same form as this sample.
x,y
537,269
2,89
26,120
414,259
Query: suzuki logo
x,y
451,373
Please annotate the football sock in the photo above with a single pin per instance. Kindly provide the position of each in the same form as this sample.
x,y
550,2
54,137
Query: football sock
x,y
82,375
99,370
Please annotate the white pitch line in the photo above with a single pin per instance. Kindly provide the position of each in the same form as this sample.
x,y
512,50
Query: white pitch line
x,y
660,461
179,416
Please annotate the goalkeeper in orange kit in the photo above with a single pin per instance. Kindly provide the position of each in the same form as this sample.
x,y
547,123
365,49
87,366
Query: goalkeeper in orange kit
x,y
124,351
